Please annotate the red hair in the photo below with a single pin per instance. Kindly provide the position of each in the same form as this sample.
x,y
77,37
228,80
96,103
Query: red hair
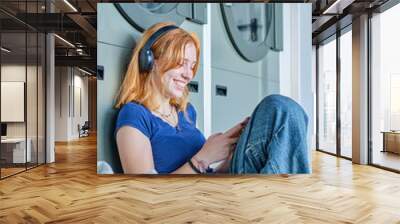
x,y
169,52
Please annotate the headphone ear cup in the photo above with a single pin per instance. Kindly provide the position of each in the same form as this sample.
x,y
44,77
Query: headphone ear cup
x,y
146,60
146,57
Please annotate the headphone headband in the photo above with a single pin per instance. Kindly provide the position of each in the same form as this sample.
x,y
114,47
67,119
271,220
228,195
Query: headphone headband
x,y
156,35
146,57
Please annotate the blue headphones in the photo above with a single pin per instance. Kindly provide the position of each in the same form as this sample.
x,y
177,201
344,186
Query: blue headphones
x,y
146,56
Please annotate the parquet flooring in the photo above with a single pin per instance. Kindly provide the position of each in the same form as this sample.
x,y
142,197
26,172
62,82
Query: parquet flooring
x,y
10,171
70,191
387,159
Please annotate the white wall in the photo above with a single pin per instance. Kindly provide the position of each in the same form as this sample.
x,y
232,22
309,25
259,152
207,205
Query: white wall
x,y
197,98
68,81
80,82
61,103
33,126
296,77
246,82
295,65
15,72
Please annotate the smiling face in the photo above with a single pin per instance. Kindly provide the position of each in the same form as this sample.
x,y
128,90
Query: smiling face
x,y
175,80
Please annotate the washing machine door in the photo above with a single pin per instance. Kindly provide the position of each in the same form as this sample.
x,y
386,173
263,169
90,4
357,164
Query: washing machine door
x,y
252,28
144,15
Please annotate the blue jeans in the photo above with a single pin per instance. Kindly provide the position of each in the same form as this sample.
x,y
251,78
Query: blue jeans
x,y
275,139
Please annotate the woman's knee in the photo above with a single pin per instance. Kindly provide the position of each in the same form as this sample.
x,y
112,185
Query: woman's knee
x,y
276,99
276,102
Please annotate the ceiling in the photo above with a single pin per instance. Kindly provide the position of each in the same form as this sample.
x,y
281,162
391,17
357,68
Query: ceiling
x,y
72,20
328,16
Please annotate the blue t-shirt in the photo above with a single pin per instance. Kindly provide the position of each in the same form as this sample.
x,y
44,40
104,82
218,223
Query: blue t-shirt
x,y
172,146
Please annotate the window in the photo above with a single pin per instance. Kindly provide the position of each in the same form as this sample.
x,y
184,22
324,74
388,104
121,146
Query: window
x,y
385,89
22,66
327,97
346,94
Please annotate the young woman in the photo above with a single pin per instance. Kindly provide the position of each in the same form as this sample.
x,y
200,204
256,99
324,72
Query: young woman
x,y
156,125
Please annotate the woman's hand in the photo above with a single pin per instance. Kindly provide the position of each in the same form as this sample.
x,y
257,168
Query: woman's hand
x,y
224,166
220,145
217,147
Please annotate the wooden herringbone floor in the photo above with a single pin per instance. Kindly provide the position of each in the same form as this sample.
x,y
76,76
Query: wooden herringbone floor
x,y
70,191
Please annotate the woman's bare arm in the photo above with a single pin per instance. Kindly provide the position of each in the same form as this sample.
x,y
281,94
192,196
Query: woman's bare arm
x,y
134,151
136,155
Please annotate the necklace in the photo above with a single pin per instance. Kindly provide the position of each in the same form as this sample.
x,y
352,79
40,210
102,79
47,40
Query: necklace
x,y
167,117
